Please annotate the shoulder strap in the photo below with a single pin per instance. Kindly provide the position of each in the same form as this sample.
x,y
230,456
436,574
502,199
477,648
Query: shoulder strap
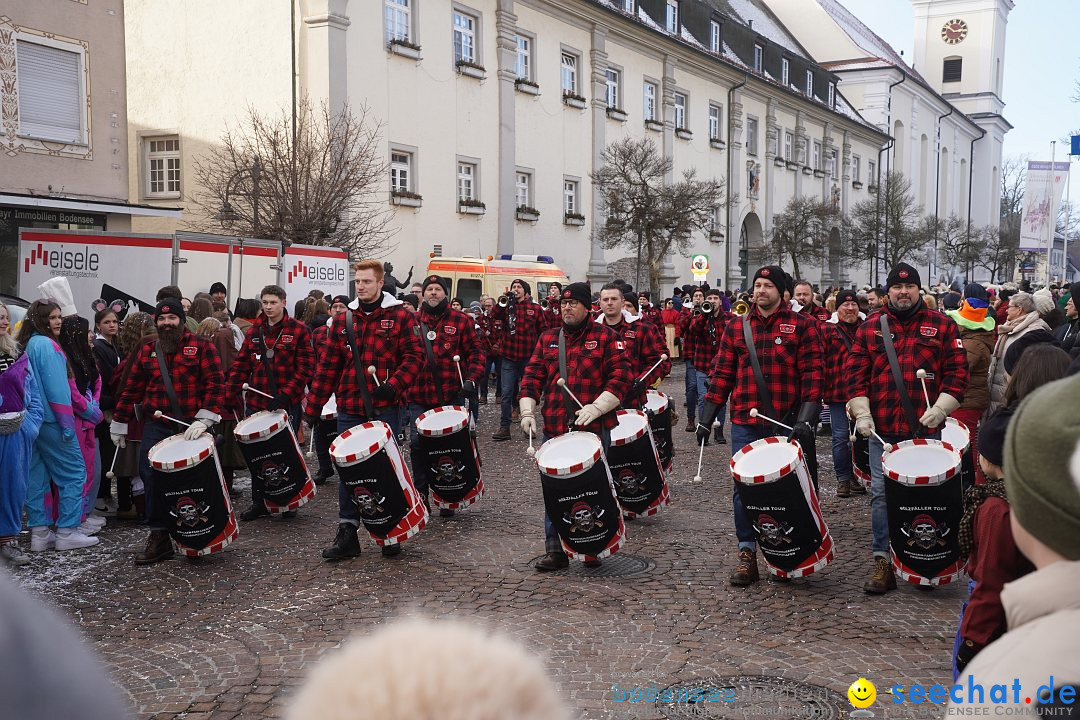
x,y
266,362
361,376
166,380
898,376
764,396
844,337
562,373
431,362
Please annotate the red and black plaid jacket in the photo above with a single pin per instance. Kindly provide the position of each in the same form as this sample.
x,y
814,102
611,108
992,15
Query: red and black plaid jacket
x,y
292,363
454,335
929,341
643,346
522,324
789,350
683,328
595,362
196,375
552,316
652,315
320,338
705,332
487,335
388,338
817,312
836,352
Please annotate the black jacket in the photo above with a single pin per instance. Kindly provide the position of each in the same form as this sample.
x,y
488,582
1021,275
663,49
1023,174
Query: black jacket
x,y
108,359
1068,335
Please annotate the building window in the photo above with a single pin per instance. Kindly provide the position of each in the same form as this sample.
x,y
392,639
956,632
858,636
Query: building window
x,y
162,166
785,72
680,111
649,90
464,38
569,74
400,172
466,181
830,164
758,54
672,16
523,189
570,197
714,36
871,172
952,69
809,84
613,79
397,16
523,63
832,95
50,96
715,118
817,155
627,5
856,167
774,145
789,144
751,136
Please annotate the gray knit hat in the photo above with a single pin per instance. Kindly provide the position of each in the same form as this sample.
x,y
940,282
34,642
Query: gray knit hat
x,y
1038,447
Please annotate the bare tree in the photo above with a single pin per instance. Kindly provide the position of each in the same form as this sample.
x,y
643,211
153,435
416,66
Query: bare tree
x,y
1013,179
317,184
643,212
955,245
801,232
889,227
1001,254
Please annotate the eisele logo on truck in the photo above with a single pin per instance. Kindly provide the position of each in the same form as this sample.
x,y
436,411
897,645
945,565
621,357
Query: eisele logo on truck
x,y
64,258
329,273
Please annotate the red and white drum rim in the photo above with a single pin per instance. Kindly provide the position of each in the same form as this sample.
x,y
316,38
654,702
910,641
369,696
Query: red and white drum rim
x,y
355,455
920,479
961,426
772,475
185,462
820,564
663,397
574,468
908,575
307,493
213,548
606,552
637,434
434,414
264,432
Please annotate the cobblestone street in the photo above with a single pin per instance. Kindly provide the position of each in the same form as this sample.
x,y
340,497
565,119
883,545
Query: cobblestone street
x,y
233,635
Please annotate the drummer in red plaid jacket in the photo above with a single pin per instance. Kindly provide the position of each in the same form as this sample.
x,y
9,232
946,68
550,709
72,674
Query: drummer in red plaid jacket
x,y
199,386
924,339
447,333
788,347
522,323
598,374
276,358
687,345
804,295
642,343
325,430
839,337
552,314
388,339
704,332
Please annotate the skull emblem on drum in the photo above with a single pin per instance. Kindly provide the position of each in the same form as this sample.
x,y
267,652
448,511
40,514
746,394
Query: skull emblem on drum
x,y
447,472
583,519
924,532
629,483
189,513
274,475
772,532
367,503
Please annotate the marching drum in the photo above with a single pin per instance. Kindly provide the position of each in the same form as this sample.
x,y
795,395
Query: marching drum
x,y
446,448
272,454
958,435
377,480
579,496
781,503
193,489
925,503
860,457
659,406
635,466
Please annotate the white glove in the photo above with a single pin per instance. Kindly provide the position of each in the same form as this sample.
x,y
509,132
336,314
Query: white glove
x,y
527,413
118,433
934,416
195,430
118,439
604,403
859,408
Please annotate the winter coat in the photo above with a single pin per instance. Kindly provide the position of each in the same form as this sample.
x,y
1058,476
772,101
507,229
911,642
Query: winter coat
x,y
979,345
1008,333
1068,334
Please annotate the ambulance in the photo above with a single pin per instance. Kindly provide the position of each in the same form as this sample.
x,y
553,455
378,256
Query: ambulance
x,y
471,277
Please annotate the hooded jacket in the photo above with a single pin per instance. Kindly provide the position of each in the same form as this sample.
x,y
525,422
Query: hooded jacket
x,y
1008,333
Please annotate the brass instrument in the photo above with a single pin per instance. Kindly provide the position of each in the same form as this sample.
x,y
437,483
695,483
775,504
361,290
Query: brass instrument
x,y
545,304
707,308
503,301
740,308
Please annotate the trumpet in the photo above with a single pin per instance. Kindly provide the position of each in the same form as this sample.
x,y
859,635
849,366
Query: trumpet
x,y
740,308
545,304
504,301
707,308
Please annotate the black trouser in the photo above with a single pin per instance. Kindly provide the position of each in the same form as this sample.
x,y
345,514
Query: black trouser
x,y
325,431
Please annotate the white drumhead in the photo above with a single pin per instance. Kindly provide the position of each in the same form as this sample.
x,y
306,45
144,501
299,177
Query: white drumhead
x,y
766,459
359,442
176,448
438,423
260,422
919,460
568,451
329,410
630,424
656,401
956,435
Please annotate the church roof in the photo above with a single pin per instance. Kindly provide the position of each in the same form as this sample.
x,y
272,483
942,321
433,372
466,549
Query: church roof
x,y
879,53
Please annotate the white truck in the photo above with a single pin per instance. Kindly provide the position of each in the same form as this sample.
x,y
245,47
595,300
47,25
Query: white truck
x,y
131,267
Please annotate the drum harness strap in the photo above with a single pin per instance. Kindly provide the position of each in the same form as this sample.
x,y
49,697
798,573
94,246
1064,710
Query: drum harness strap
x,y
166,380
898,376
562,374
764,396
361,379
431,363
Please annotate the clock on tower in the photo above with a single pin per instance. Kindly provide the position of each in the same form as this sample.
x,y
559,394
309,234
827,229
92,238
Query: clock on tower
x,y
954,31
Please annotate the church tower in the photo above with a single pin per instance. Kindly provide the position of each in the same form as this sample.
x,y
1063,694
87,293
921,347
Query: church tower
x,y
960,51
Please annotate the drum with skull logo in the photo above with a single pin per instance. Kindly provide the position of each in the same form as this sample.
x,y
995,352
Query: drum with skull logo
x,y
924,498
446,448
579,496
272,454
860,457
193,490
958,435
376,479
635,466
781,504
659,407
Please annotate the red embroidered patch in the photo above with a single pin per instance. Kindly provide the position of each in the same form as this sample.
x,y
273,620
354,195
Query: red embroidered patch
x,y
787,329
927,331
530,311
449,329
286,338
764,272
386,324
631,334
190,351
590,345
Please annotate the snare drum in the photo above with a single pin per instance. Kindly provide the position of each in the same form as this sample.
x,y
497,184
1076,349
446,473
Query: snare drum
x,y
446,450
782,506
191,486
659,405
579,496
377,480
924,499
860,458
275,460
635,466
958,435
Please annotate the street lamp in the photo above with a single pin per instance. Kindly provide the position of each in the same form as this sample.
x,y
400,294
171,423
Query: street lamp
x,y
228,213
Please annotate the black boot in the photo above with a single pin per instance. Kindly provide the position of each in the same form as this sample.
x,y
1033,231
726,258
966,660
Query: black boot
x,y
391,550
257,510
158,547
346,545
555,559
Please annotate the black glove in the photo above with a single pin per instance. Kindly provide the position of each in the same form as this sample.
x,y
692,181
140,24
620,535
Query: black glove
x,y
384,392
637,387
468,388
678,342
280,403
709,411
965,653
808,416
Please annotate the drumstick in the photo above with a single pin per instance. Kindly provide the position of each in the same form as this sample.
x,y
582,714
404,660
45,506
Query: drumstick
x,y
663,357
374,376
755,414
158,415
531,451
457,361
921,374
247,387
700,455
562,383
111,475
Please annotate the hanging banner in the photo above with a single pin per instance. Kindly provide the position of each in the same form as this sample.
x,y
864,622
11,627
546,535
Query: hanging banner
x,y
1042,196
699,266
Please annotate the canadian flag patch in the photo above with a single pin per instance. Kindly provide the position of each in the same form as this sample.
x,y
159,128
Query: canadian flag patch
x,y
959,343
591,345
386,324
620,345
190,351
927,331
787,329
449,329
